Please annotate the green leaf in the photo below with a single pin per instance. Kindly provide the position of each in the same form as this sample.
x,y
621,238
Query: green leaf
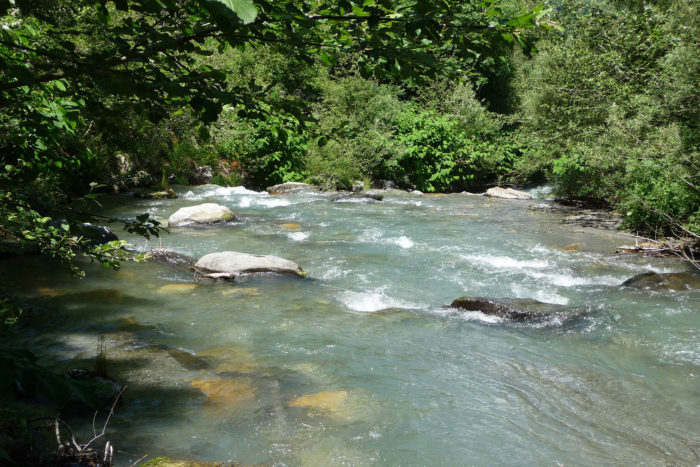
x,y
244,9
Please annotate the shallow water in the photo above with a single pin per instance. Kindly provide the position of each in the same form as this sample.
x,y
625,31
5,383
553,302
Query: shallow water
x,y
361,363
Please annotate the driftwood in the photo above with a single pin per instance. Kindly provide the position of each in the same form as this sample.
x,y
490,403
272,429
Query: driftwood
x,y
688,250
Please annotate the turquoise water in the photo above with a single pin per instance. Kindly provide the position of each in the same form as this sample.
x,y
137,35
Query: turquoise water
x,y
361,363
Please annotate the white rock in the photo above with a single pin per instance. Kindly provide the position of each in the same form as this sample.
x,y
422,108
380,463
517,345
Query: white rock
x,y
507,193
207,213
229,264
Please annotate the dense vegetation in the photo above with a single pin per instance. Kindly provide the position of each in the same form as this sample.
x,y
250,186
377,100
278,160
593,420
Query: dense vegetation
x,y
598,97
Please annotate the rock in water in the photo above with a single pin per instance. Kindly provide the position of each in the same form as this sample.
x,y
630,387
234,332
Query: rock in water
x,y
362,197
678,281
515,309
202,214
507,193
229,264
165,256
290,187
97,234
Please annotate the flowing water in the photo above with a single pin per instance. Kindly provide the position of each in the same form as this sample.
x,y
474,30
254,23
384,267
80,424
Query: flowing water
x,y
362,363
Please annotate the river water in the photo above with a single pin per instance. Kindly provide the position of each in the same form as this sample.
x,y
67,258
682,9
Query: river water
x,y
362,363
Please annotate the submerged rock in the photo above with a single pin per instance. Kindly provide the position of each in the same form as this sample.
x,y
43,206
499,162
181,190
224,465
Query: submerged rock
x,y
328,401
290,187
515,309
167,462
201,214
678,281
225,394
104,388
507,193
229,264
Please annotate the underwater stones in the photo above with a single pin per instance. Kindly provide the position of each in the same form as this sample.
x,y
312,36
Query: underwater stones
x,y
167,462
224,393
229,264
290,187
327,402
104,388
176,288
231,359
678,281
201,214
165,256
188,360
515,309
507,193
338,405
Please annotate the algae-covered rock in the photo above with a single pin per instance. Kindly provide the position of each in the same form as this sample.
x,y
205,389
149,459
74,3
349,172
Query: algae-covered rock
x,y
167,462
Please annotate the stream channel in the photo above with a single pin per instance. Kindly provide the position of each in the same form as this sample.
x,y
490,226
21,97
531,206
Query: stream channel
x,y
363,362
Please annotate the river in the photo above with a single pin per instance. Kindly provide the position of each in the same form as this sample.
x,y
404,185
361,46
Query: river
x,y
362,362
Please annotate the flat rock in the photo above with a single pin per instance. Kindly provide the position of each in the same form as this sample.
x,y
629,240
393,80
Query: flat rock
x,y
290,187
507,193
229,264
515,309
201,214
678,281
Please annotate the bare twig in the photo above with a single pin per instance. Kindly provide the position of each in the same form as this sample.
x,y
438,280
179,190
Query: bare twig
x,y
104,427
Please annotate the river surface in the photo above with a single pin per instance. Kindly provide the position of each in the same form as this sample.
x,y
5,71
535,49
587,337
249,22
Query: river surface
x,y
362,363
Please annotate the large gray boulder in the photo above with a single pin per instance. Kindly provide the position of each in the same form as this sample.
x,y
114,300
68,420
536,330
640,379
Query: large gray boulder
x,y
507,193
201,214
229,264
514,309
290,187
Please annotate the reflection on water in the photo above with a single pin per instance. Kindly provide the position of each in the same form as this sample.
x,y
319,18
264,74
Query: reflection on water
x,y
361,363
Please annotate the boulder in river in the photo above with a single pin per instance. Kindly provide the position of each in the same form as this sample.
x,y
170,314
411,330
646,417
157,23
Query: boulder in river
x,y
515,309
97,234
361,197
507,193
230,264
290,187
678,281
201,214
162,194
165,256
